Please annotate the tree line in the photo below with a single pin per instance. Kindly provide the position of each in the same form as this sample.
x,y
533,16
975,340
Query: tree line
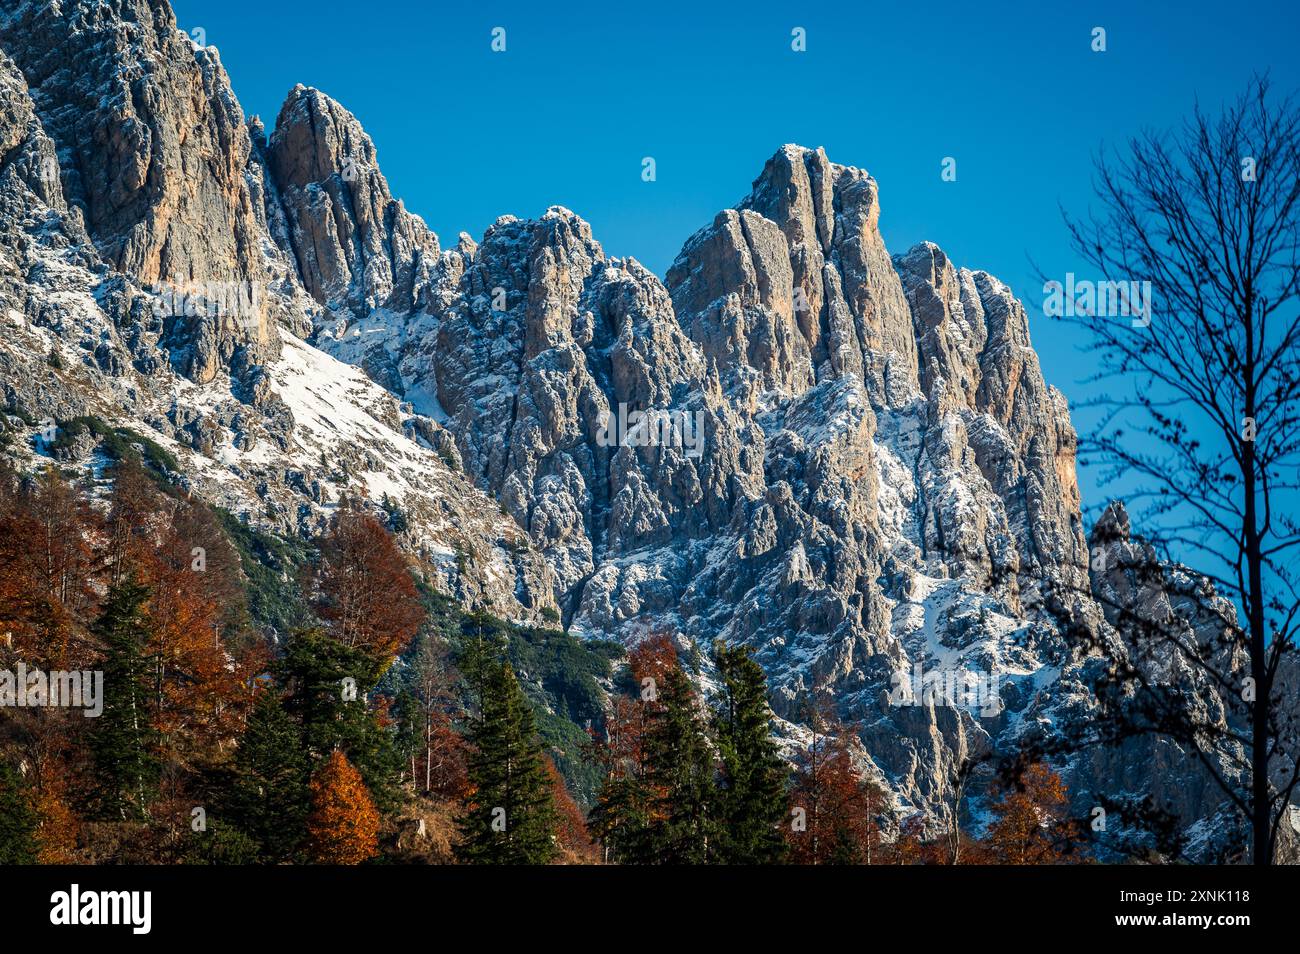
x,y
370,729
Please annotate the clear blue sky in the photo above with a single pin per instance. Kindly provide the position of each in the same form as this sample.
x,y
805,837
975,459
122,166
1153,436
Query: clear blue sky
x,y
1012,91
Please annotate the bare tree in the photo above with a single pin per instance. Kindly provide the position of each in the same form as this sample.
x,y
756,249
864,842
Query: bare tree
x,y
1199,421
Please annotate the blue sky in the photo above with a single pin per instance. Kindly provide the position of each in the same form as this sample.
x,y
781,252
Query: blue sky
x,y
1012,91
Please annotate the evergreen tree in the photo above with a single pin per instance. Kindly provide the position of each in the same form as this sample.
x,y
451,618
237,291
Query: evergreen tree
x,y
622,813
679,773
269,797
328,686
511,817
620,817
124,741
17,820
752,793
222,844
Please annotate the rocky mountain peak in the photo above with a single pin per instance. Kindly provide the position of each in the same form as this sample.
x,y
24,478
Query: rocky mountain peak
x,y
356,247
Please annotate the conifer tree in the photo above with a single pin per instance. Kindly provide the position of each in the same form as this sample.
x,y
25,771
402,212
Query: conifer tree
x,y
620,817
511,816
752,790
343,828
328,688
269,797
17,820
679,771
124,741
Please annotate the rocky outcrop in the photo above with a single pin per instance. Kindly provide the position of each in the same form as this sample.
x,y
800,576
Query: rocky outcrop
x,y
259,422
884,480
357,247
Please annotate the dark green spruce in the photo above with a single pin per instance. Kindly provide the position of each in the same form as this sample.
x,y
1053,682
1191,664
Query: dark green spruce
x,y
269,794
684,824
123,741
752,787
511,818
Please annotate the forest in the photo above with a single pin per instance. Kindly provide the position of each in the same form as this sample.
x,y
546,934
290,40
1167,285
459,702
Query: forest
x,y
267,701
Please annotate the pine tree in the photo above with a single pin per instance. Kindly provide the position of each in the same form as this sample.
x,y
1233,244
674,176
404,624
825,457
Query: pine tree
x,y
343,828
269,797
124,740
679,771
328,688
752,792
17,820
511,816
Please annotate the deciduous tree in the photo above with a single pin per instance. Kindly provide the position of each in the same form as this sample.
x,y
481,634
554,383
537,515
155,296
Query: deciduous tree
x,y
343,828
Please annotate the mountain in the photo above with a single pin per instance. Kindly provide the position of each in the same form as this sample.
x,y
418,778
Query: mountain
x,y
849,461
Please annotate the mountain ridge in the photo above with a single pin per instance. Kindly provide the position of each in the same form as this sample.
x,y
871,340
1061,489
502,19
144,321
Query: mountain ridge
x,y
885,478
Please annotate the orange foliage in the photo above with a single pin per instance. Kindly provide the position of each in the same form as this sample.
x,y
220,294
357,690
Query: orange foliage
x,y
838,806
46,570
365,592
178,551
344,826
1030,825
57,826
576,843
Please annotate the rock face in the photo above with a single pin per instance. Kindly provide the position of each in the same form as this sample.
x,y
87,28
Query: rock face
x,y
153,153
849,461
124,161
357,247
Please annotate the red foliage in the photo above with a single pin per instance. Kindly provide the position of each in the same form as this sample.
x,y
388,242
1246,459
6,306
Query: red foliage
x,y
365,592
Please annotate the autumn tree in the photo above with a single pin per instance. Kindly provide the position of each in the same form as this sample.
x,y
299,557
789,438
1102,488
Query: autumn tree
x,y
364,589
46,568
833,807
620,817
1030,824
343,828
436,751
173,545
56,823
572,837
